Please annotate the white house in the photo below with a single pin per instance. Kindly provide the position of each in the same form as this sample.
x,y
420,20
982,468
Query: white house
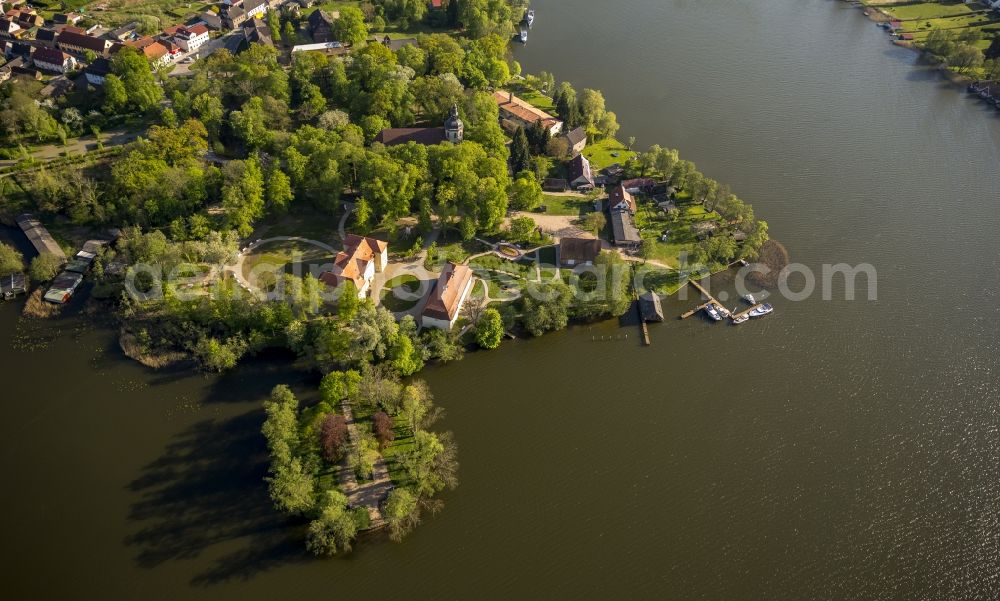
x,y
360,260
191,38
447,297
52,60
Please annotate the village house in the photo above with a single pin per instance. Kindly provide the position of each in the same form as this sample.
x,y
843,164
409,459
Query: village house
x,y
574,252
319,24
236,13
620,199
191,38
580,175
78,43
515,113
10,30
446,298
360,260
155,51
46,38
125,32
66,18
639,185
53,60
577,140
97,71
209,19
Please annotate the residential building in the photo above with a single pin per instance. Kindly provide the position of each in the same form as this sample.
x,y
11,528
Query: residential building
x,y
210,19
515,112
97,71
53,60
66,18
9,29
330,48
619,199
125,32
639,185
234,14
580,175
577,140
319,24
360,260
574,252
623,230
191,38
78,43
447,296
46,38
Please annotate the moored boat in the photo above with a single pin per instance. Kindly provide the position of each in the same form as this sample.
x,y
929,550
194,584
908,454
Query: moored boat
x,y
530,17
741,319
749,298
713,312
761,310
523,36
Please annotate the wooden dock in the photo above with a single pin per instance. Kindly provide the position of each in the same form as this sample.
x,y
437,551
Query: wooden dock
x,y
745,312
711,300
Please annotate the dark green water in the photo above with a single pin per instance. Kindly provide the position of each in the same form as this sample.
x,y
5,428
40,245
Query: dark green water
x,y
835,450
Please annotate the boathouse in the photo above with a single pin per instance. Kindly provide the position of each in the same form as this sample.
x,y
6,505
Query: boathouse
x,y
650,307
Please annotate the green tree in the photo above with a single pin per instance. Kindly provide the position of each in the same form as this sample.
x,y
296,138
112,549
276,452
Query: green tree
x,y
144,93
44,267
522,229
291,488
525,191
401,512
489,329
279,190
520,153
11,260
546,306
115,94
350,27
406,359
334,529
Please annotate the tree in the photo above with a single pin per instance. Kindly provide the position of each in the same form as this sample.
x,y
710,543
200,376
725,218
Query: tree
x,y
44,267
115,94
546,307
525,191
522,229
489,329
940,42
402,512
364,455
334,529
520,154
382,428
591,107
417,406
631,142
595,222
137,77
608,125
333,437
965,57
279,190
291,487
350,27
250,123
215,355
11,260
406,359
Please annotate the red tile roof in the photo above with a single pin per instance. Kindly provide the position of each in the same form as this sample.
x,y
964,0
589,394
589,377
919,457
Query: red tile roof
x,y
446,297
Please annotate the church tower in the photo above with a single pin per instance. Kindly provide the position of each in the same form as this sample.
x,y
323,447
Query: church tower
x,y
453,127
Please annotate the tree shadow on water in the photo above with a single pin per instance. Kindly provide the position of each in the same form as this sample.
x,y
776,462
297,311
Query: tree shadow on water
x,y
207,489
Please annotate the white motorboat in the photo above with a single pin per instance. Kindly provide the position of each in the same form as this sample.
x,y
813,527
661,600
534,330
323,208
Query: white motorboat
x,y
741,319
530,17
523,36
761,310
713,312
749,298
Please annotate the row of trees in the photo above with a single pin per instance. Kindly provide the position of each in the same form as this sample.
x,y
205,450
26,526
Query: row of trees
x,y
960,50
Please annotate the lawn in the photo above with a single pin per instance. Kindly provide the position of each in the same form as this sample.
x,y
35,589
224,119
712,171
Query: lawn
x,y
928,10
561,204
652,223
602,153
407,284
302,221
960,22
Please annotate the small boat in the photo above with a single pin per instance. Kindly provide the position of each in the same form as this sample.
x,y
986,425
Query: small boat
x,y
523,36
530,17
749,298
713,312
761,310
741,319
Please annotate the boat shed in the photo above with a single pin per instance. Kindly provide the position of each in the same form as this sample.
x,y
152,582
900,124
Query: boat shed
x,y
650,307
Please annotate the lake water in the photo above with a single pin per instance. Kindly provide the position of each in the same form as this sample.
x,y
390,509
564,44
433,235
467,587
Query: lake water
x,y
834,450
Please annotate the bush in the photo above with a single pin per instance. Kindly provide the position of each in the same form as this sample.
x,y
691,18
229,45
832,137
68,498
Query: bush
x,y
10,259
45,267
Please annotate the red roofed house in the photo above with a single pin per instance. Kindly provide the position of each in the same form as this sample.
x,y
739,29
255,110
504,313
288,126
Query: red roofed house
x,y
191,38
78,43
52,60
361,258
447,297
619,199
515,112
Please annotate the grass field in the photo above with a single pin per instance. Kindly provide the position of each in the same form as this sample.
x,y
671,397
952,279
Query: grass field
x,y
602,153
928,10
559,204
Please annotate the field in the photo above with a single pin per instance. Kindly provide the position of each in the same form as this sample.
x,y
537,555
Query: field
x,y
564,204
606,152
928,10
114,13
